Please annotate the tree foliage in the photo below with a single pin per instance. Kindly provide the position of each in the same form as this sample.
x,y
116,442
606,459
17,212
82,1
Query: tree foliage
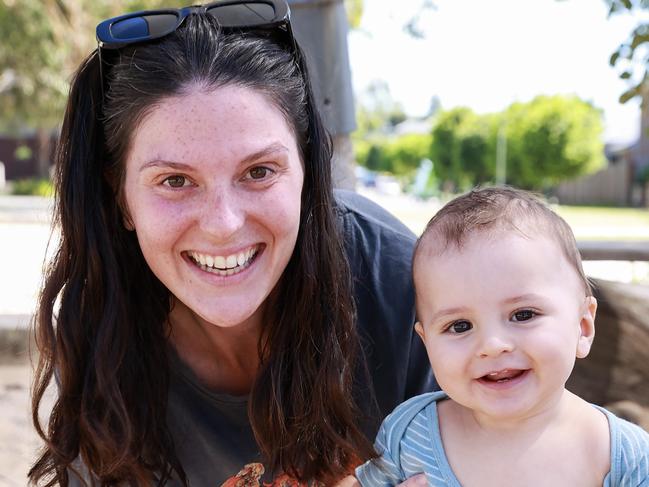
x,y
632,55
548,140
354,9
43,43
462,148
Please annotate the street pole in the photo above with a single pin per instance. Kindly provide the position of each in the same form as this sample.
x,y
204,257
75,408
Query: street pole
x,y
501,157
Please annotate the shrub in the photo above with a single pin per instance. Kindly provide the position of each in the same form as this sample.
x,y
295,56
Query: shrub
x,y
33,187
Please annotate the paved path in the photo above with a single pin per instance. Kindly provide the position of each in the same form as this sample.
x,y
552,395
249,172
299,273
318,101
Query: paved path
x,y
19,443
25,231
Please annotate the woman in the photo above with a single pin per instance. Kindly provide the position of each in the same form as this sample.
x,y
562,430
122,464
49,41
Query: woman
x,y
206,331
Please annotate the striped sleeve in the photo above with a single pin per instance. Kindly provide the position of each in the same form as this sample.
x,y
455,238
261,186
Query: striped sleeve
x,y
383,471
633,458
399,443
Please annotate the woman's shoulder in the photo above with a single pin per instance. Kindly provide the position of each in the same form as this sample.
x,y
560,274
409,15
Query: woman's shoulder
x,y
365,214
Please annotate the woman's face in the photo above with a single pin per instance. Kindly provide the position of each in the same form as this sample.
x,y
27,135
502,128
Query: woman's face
x,y
213,188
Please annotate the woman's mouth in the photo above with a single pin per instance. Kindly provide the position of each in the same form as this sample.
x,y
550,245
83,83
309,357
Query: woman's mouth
x,y
224,265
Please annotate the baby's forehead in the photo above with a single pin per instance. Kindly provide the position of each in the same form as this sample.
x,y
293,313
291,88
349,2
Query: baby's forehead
x,y
439,254
436,242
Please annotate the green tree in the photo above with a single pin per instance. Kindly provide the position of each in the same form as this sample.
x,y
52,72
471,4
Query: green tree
x,y
460,148
354,9
403,154
550,139
376,110
374,158
631,55
43,43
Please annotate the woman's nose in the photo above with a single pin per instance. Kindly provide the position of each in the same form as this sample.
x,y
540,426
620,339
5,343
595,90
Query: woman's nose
x,y
222,214
495,341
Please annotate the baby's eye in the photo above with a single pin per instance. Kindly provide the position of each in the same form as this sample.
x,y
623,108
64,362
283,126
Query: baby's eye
x,y
523,315
175,181
259,172
460,326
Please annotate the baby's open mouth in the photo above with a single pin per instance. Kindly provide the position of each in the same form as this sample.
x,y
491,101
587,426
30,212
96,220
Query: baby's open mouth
x,y
504,375
224,265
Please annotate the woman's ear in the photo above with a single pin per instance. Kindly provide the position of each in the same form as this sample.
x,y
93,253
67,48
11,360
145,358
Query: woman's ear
x,y
586,327
419,329
128,224
127,221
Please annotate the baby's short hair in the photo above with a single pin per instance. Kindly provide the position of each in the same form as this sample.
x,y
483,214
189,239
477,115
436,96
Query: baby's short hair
x,y
494,209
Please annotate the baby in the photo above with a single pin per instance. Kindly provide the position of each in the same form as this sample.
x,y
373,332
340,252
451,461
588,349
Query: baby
x,y
504,308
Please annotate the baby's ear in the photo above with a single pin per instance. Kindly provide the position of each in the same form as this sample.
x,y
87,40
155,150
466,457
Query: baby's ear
x,y
419,329
587,327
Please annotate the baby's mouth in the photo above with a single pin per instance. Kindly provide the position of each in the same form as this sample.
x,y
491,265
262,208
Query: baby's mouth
x,y
504,375
225,265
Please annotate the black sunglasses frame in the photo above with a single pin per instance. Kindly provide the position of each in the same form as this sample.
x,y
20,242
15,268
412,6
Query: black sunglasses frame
x,y
280,22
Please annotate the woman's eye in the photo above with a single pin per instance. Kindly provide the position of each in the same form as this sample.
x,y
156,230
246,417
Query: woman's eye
x,y
175,181
460,326
259,172
523,315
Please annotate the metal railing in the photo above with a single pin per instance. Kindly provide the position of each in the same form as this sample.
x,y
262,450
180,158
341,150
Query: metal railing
x,y
622,250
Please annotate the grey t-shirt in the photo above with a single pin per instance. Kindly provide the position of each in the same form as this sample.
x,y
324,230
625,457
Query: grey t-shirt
x,y
211,431
213,437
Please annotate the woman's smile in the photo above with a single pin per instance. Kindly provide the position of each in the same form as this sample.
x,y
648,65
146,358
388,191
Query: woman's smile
x,y
225,265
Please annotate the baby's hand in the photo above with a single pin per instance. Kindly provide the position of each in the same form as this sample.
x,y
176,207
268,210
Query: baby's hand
x,y
415,481
349,481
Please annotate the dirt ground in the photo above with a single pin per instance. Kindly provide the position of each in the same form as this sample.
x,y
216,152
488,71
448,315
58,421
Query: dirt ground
x,y
19,442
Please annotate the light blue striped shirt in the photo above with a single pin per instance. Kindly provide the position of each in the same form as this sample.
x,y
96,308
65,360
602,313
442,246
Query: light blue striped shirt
x,y
411,443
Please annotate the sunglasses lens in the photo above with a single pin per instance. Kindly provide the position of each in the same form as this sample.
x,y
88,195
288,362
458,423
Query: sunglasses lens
x,y
145,26
245,14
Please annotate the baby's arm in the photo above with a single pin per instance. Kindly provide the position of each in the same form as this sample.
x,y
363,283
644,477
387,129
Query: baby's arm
x,y
349,481
416,481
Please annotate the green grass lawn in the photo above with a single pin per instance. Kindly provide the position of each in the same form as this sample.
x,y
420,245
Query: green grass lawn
x,y
587,222
605,223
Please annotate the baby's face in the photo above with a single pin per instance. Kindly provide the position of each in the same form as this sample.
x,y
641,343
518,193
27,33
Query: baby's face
x,y
503,319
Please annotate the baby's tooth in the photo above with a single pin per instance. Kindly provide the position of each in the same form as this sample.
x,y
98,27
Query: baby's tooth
x,y
219,262
209,260
231,261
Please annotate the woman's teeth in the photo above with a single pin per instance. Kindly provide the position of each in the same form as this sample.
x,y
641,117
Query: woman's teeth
x,y
224,265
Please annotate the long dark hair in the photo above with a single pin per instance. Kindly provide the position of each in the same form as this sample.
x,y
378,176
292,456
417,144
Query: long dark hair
x,y
107,344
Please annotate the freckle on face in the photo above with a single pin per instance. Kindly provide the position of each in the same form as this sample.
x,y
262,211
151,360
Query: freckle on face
x,y
212,132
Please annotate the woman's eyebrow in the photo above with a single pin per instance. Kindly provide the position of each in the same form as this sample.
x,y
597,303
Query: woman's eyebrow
x,y
181,166
270,149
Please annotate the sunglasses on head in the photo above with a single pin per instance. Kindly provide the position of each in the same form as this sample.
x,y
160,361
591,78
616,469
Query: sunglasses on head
x,y
231,15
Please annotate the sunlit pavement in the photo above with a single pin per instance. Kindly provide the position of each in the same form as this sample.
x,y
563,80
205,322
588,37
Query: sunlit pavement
x,y
24,235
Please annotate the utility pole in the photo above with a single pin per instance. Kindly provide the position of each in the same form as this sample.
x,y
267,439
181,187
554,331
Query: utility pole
x,y
501,156
320,27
